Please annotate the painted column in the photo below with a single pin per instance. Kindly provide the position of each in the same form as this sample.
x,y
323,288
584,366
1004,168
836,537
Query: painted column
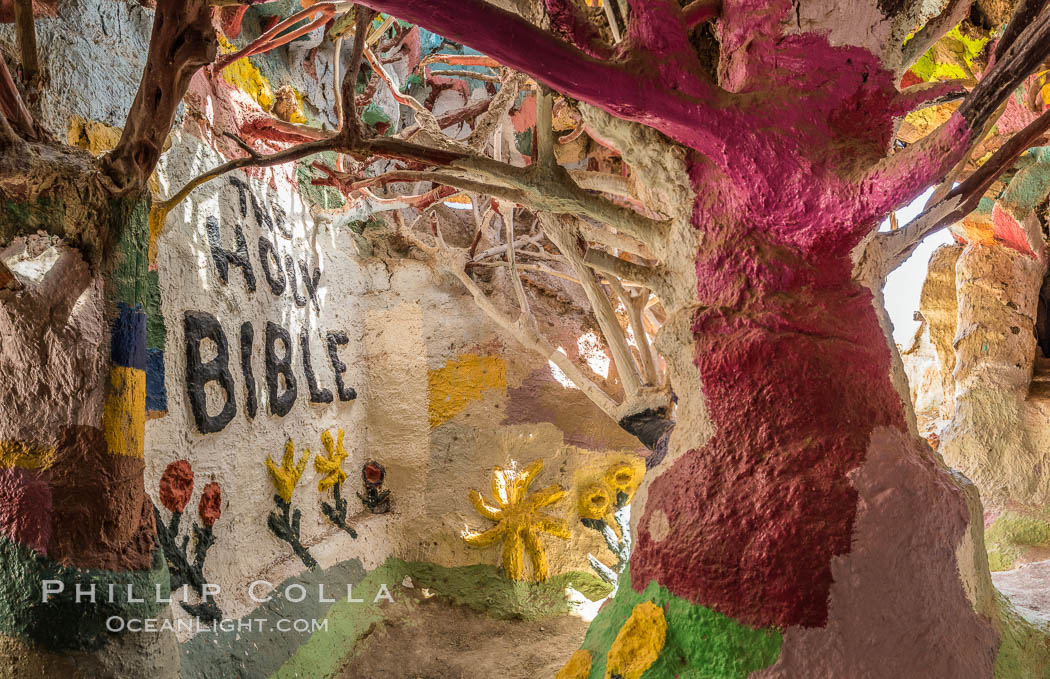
x,y
80,348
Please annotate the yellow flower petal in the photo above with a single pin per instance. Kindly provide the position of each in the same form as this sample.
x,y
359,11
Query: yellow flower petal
x,y
489,512
639,642
578,667
485,538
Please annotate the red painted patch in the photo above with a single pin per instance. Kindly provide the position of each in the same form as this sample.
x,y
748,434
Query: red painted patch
x,y
210,506
176,485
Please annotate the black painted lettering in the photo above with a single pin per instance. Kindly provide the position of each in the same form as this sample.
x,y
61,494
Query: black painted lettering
x,y
280,403
335,339
223,257
316,395
199,326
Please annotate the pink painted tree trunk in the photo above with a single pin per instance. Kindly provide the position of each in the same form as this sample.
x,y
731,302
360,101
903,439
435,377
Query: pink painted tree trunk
x,y
798,526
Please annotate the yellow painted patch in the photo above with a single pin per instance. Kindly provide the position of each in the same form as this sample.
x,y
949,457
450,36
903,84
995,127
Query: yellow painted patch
x,y
124,415
461,381
244,75
288,105
286,477
519,521
26,454
97,138
920,123
639,642
578,667
976,228
330,466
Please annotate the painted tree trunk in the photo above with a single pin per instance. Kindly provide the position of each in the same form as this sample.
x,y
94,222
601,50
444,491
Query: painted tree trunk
x,y
811,533
74,515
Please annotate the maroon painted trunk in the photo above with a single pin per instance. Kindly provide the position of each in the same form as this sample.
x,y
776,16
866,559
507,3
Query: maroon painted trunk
x,y
796,376
813,508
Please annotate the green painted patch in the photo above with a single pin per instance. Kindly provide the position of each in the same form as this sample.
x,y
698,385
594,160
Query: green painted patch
x,y
43,214
62,623
481,588
373,114
324,197
129,223
1024,648
155,332
258,649
523,142
1007,537
701,643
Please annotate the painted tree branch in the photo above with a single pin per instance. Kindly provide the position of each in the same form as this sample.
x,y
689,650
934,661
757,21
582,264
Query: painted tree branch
x,y
699,11
898,245
695,112
183,41
930,94
935,29
897,180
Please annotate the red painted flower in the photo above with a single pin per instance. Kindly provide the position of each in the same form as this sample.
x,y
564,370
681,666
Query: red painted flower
x,y
176,485
373,474
210,507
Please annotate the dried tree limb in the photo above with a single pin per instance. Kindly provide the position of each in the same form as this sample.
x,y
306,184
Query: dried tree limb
x,y
519,290
635,306
561,232
453,262
25,26
13,108
930,94
183,41
645,276
502,102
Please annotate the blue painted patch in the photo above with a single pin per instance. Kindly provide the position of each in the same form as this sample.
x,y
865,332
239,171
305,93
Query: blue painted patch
x,y
156,391
128,338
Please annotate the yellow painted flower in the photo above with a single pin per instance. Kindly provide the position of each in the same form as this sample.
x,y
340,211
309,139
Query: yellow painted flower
x,y
594,502
519,521
332,465
578,667
639,642
286,477
624,477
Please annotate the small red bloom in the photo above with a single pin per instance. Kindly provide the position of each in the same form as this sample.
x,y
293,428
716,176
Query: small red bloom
x,y
176,485
210,507
373,474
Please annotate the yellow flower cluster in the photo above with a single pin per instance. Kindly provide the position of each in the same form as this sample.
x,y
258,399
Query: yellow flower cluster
x,y
597,500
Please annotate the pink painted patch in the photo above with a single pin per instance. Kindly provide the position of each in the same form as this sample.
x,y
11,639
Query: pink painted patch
x,y
1009,231
25,508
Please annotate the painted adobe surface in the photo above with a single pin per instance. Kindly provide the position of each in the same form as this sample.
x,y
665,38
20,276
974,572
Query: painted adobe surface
x,y
247,279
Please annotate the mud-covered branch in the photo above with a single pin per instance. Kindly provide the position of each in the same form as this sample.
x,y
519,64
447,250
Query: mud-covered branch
x,y
183,41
